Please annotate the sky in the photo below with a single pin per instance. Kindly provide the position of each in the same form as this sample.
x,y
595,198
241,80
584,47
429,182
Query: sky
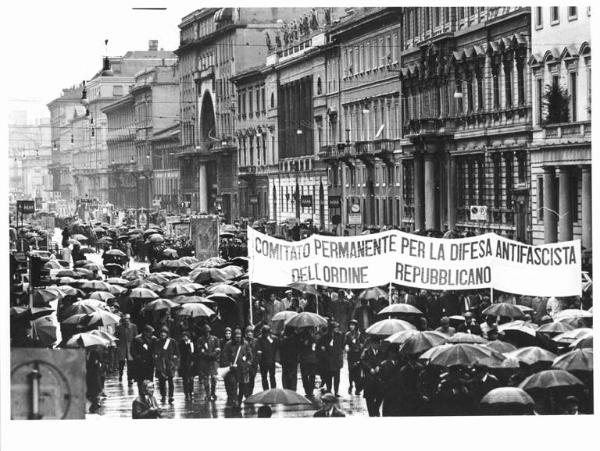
x,y
57,44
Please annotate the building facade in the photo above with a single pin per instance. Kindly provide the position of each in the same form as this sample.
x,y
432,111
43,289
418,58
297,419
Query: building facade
x,y
165,169
562,136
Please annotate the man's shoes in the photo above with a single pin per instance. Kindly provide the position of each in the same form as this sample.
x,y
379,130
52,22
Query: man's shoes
x,y
350,390
213,397
171,400
357,392
130,383
337,395
162,400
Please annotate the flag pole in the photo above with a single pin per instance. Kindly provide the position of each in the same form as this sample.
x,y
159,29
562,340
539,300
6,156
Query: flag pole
x,y
250,299
316,299
390,294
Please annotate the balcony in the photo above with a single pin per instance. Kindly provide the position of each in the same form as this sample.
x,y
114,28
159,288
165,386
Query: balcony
x,y
336,152
380,148
247,172
426,126
569,130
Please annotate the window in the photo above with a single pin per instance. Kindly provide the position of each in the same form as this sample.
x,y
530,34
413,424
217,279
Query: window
x,y
540,197
574,201
263,99
272,100
573,97
539,18
461,13
250,103
480,91
374,54
572,12
508,83
539,94
508,161
350,61
436,17
117,91
426,19
319,86
554,17
459,102
520,85
469,95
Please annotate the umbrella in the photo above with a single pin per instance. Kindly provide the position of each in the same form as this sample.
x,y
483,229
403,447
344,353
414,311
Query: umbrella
x,y
85,272
79,309
105,240
242,284
583,343
195,310
500,346
87,339
388,327
518,329
493,362
117,290
77,319
179,280
156,238
52,264
304,288
400,308
463,354
549,379
183,299
70,291
508,395
532,354
420,341
188,259
284,315
47,330
103,334
212,262
372,294
160,304
577,360
233,272
67,280
176,290
102,296
143,283
555,328
171,253
306,319
240,261
117,281
28,314
171,264
68,273
223,288
116,253
79,237
143,293
44,296
168,274
574,335
228,228
157,278
462,337
96,285
503,309
102,318
572,313
87,250
278,396
207,275
91,266
135,231
221,298
132,274
74,242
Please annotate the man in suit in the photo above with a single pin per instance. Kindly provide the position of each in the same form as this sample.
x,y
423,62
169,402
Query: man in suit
x,y
186,364
251,342
207,362
308,360
266,346
354,341
450,304
364,315
331,346
125,332
166,360
145,405
288,356
142,351
329,408
238,356
470,326
370,361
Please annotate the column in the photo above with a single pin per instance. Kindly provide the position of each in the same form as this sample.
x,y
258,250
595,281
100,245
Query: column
x,y
586,207
419,193
450,193
202,189
550,208
565,222
431,210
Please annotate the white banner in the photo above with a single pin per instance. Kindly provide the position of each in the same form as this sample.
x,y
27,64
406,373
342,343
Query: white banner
x,y
485,261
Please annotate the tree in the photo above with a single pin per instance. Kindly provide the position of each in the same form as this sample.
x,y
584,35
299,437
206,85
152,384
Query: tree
x,y
556,104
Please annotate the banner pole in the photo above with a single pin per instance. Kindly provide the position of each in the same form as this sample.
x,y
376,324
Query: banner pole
x,y
491,295
317,299
250,300
390,294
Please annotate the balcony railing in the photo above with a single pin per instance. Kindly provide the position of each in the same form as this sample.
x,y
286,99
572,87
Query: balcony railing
x,y
376,146
247,170
569,129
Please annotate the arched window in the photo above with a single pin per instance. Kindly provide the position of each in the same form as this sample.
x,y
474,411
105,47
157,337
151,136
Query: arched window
x,y
319,86
272,100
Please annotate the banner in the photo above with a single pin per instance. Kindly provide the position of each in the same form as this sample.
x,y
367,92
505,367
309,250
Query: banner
x,y
484,261
205,236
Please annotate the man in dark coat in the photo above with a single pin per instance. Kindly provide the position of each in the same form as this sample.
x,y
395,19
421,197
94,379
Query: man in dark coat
x,y
126,332
331,346
208,351
145,405
409,380
187,368
364,315
266,347
470,326
354,341
308,360
251,342
94,378
65,237
329,408
142,351
288,356
166,360
449,303
370,361
238,356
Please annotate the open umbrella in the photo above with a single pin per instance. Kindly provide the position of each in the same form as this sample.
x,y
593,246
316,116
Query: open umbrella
x,y
168,274
77,319
508,395
195,310
503,309
572,313
144,283
115,253
68,290
462,337
170,253
281,396
463,354
577,360
284,315
52,264
546,379
79,309
555,328
87,339
189,260
183,299
160,304
102,296
67,280
68,273
93,266
103,334
212,262
574,335
233,272
143,293
179,280
102,318
155,238
157,278
208,275
306,319
500,346
420,341
223,288
388,327
583,343
28,314
532,354
47,330
400,308
117,281
117,290
132,274
372,294
303,288
221,298
85,273
171,264
95,285
42,297
79,237
177,290
105,240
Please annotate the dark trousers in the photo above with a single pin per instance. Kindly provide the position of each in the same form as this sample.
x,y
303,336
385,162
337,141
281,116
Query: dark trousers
x,y
354,375
162,382
373,405
235,388
209,383
307,371
289,375
129,369
188,384
270,371
329,377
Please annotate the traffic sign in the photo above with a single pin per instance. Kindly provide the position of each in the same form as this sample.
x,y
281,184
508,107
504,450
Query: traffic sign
x,y
478,212
355,208
354,219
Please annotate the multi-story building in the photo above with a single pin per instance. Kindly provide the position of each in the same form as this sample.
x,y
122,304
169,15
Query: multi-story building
x,y
215,45
62,109
165,168
108,85
562,135
466,114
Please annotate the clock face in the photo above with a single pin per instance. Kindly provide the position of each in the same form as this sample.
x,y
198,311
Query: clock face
x,y
355,208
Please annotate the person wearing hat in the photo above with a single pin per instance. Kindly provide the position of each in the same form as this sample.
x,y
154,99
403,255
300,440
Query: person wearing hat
x,y
145,406
470,326
487,325
331,348
266,347
288,354
207,354
125,333
238,357
571,406
329,408
370,361
227,332
353,342
251,342
445,327
287,300
307,347
166,360
142,352
187,367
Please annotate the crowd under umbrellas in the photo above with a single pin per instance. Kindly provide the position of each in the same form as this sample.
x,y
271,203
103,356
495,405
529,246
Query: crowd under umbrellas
x,y
515,367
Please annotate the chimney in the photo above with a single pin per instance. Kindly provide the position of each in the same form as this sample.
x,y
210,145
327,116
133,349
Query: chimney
x,y
153,45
